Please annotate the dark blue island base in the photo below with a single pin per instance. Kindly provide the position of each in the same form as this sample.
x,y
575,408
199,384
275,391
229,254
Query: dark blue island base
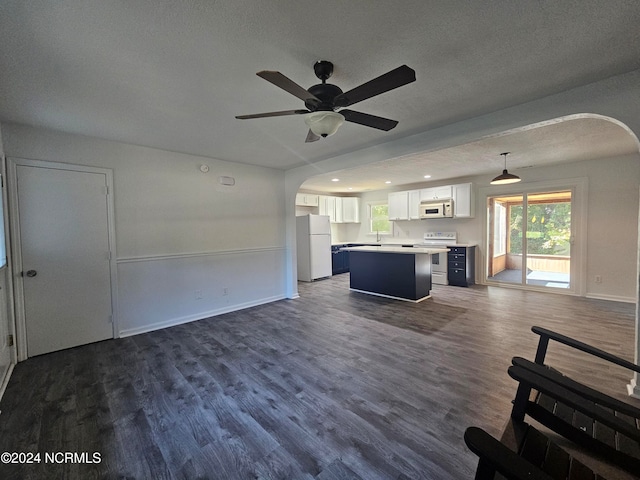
x,y
403,276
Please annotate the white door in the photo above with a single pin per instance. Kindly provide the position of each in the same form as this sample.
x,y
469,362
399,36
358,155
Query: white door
x,y
530,239
64,238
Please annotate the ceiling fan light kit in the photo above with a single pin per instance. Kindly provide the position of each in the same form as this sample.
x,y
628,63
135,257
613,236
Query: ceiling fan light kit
x,y
322,100
324,123
505,177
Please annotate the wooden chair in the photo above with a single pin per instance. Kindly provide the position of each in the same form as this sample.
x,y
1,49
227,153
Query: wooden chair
x,y
605,426
532,456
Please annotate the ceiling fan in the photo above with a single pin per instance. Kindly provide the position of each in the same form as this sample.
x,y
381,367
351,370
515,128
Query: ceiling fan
x,y
322,100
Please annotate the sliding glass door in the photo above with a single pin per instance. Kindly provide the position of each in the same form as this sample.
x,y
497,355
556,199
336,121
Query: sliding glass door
x,y
530,239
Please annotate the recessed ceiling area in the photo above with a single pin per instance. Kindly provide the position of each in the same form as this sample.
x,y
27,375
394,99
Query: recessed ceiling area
x,y
552,143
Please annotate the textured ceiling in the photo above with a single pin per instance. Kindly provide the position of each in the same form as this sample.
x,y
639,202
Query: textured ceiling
x,y
173,75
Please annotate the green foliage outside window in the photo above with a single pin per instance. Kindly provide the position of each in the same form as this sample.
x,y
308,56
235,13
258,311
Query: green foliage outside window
x,y
548,228
380,219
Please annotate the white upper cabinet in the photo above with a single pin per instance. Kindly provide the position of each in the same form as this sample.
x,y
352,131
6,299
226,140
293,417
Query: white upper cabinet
x,y
339,213
340,209
435,193
398,204
351,210
406,205
414,204
463,201
306,200
327,207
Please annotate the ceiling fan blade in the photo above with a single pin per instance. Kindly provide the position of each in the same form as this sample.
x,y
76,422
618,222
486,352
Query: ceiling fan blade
x,y
368,120
285,83
390,80
272,114
311,137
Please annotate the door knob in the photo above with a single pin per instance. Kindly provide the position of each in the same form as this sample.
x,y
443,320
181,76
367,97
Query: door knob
x,y
31,273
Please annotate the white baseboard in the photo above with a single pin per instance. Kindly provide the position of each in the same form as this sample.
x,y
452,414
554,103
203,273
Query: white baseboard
x,y
198,316
612,298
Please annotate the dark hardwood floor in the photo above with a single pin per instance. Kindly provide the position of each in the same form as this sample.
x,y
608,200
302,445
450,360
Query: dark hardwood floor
x,y
333,385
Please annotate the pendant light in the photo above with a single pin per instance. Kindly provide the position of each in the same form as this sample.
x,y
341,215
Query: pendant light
x,y
505,177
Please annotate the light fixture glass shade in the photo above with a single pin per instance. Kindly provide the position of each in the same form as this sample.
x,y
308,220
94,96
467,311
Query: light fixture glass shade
x,y
505,178
323,123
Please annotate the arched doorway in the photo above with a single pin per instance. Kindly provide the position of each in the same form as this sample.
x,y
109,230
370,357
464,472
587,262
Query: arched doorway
x,y
601,232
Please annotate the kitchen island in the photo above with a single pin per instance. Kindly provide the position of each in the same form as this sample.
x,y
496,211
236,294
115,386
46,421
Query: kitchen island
x,y
403,273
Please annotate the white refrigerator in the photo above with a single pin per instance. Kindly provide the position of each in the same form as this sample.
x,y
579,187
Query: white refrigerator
x,y
313,239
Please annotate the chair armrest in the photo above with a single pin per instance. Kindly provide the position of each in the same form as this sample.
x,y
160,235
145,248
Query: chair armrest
x,y
576,387
546,335
573,400
500,458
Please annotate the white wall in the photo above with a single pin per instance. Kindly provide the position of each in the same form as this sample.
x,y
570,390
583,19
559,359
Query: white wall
x,y
178,230
612,213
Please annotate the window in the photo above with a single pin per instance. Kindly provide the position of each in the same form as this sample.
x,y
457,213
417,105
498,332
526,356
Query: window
x,y
379,218
548,224
500,230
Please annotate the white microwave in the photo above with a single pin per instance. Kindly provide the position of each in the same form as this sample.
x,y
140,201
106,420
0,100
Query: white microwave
x,y
437,209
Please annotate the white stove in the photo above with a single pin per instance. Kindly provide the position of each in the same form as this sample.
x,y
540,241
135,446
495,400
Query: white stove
x,y
439,261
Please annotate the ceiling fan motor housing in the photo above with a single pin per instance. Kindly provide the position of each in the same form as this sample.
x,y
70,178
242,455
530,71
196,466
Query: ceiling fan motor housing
x,y
326,93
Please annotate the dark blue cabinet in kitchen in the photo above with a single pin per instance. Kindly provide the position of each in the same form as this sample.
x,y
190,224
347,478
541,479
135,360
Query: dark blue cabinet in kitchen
x,y
462,261
339,259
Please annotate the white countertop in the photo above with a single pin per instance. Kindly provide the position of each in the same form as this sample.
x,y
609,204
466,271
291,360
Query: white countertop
x,y
405,250
398,244
333,244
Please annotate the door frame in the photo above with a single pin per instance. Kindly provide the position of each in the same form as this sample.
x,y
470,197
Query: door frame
x,y
6,273
579,195
16,257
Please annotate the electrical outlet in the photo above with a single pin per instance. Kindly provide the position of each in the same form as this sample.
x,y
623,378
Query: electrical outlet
x,y
225,291
598,278
198,294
